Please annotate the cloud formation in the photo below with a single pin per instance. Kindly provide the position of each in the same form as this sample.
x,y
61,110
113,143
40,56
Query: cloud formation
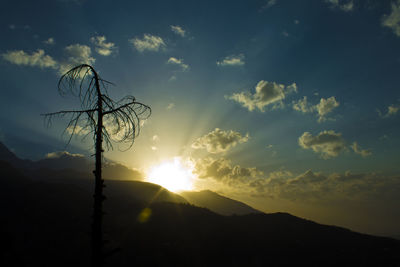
x,y
36,59
148,42
232,60
222,170
266,93
303,106
346,6
362,152
219,141
323,108
392,20
102,47
178,62
268,4
335,187
60,154
49,41
392,110
327,143
76,54
178,30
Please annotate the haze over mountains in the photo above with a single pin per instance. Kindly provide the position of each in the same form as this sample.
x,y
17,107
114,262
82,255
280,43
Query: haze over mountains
x,y
45,221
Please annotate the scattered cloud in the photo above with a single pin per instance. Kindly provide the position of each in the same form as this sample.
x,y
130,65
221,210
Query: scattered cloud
x,y
178,62
102,47
222,170
60,154
392,110
12,26
327,143
393,19
170,106
49,41
219,141
268,4
303,106
333,188
178,30
323,108
266,93
148,42
363,152
232,60
36,59
347,5
76,54
296,21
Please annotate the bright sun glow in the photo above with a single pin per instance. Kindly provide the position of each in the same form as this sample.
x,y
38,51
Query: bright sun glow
x,y
173,175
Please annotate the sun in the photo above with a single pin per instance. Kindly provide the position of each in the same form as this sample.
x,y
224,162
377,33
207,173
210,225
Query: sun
x,y
172,175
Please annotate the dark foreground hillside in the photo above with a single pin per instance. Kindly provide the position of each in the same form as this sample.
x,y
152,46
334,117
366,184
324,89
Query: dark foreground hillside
x,y
48,224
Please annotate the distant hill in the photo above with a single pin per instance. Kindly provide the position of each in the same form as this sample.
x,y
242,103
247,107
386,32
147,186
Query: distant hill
x,y
217,203
70,163
48,224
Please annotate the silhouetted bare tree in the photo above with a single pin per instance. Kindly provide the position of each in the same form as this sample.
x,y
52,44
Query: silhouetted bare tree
x,y
108,121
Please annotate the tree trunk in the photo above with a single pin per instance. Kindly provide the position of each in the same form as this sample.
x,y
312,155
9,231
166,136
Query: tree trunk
x,y
97,235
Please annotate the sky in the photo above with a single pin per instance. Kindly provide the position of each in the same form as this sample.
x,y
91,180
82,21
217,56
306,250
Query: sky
x,y
286,105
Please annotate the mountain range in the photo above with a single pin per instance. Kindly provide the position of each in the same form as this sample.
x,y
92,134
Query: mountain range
x,y
45,221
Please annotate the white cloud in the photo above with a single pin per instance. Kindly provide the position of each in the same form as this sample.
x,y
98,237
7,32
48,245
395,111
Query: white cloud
x,y
222,170
393,19
36,59
148,42
266,93
303,106
346,6
59,154
76,54
362,152
178,30
327,143
49,41
392,110
219,141
232,60
323,108
179,62
102,47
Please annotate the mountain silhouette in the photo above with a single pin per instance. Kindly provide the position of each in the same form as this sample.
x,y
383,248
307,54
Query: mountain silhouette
x,y
71,165
46,222
217,203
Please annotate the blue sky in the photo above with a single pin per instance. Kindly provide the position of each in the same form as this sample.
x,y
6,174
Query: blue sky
x,y
289,105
